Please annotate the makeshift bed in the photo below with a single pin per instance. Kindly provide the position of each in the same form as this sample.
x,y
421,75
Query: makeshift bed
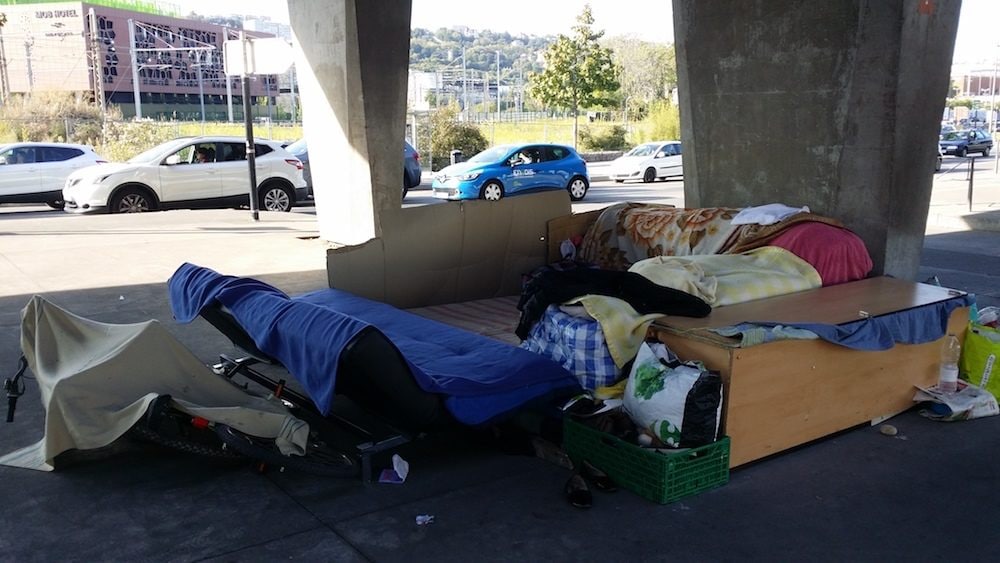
x,y
797,365
476,379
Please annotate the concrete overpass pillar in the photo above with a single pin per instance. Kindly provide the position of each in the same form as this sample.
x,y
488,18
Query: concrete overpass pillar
x,y
834,105
352,61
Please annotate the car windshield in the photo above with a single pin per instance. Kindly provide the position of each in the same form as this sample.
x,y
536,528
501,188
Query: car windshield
x,y
156,152
954,136
648,149
495,154
298,147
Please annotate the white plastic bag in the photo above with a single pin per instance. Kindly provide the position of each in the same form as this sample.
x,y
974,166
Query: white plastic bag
x,y
679,403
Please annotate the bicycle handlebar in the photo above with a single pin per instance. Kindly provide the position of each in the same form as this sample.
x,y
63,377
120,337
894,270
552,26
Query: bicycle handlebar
x,y
15,388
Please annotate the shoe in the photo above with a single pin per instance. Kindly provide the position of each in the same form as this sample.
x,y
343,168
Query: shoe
x,y
600,479
577,492
550,452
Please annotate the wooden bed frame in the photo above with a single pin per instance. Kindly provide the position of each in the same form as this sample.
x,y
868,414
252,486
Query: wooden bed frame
x,y
784,394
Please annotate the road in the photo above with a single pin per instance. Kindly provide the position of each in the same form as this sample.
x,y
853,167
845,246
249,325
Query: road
x,y
951,187
601,194
44,250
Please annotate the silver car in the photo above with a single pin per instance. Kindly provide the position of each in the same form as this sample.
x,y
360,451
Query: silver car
x,y
412,173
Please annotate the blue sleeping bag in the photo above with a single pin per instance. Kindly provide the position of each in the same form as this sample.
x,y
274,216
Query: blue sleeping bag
x,y
481,379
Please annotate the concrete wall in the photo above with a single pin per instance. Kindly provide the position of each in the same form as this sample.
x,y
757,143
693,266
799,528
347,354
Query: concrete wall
x,y
834,105
352,59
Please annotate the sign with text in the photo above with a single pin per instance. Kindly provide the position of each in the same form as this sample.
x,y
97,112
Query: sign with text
x,y
266,55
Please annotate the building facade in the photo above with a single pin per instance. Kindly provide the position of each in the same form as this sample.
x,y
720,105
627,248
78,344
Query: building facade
x,y
53,46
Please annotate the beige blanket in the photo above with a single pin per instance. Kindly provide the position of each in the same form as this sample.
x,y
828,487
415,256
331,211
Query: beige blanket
x,y
727,279
96,380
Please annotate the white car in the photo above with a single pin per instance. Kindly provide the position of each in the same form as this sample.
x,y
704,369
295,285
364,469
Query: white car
x,y
36,172
187,173
649,162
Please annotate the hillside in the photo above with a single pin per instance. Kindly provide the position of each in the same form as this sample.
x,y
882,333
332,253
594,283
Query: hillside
x,y
435,50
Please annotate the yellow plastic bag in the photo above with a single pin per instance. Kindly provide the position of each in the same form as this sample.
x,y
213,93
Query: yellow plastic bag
x,y
980,364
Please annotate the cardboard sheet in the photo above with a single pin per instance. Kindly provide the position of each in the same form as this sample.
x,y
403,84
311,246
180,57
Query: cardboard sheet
x,y
451,252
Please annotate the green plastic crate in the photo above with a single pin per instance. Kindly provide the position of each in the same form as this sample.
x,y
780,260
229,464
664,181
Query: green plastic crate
x,y
659,477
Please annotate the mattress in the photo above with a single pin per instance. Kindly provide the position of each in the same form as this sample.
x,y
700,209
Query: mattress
x,y
481,379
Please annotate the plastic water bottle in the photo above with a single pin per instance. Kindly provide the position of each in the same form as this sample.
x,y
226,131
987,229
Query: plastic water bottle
x,y
951,351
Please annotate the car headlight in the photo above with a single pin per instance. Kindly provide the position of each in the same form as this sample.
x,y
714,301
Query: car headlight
x,y
469,176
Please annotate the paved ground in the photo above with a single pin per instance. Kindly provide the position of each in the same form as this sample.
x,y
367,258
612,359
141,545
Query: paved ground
x,y
927,494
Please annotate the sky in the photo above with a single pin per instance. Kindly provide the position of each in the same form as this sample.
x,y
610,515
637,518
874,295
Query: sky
x,y
651,20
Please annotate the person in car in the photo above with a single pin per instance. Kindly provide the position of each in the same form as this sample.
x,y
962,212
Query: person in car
x,y
204,155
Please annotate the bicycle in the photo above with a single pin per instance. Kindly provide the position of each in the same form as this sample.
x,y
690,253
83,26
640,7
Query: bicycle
x,y
167,425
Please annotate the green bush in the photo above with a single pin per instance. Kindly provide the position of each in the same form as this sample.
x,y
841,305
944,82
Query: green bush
x,y
665,122
447,134
125,139
51,116
603,138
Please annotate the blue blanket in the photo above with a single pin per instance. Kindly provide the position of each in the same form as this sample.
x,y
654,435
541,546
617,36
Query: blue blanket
x,y
918,325
481,378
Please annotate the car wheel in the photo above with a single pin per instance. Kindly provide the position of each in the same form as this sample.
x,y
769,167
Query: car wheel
x,y
649,175
960,153
274,197
937,164
56,204
577,188
132,199
986,151
407,184
491,191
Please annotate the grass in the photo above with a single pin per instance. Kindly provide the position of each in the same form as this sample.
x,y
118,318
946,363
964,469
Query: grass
x,y
553,131
276,132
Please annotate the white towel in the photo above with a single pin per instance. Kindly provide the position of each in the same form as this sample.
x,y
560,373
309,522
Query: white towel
x,y
766,214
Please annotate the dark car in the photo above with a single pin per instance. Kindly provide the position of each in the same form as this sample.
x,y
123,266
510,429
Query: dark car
x,y
961,143
412,174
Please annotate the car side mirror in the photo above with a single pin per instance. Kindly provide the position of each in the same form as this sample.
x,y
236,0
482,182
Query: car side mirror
x,y
172,160
660,154
3,160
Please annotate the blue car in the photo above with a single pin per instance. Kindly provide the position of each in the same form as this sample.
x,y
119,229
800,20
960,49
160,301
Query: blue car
x,y
513,169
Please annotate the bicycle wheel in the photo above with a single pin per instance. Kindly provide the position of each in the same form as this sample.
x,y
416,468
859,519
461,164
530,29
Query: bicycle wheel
x,y
167,426
319,459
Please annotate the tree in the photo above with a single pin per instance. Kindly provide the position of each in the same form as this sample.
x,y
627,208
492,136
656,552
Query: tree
x,y
448,133
578,71
647,71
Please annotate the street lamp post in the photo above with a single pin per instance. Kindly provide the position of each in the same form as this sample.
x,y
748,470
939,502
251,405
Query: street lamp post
x,y
201,94
993,107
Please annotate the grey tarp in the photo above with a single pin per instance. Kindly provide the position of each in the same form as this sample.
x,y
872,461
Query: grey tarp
x,y
97,379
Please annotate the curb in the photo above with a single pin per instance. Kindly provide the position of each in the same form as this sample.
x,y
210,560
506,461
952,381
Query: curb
x,y
966,221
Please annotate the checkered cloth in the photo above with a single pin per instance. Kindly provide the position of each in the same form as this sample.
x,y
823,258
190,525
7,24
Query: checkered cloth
x,y
577,343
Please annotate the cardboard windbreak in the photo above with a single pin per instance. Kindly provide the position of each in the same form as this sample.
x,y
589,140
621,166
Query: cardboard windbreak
x,y
451,252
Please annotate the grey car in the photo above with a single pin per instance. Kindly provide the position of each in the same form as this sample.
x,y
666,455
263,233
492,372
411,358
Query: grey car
x,y
411,164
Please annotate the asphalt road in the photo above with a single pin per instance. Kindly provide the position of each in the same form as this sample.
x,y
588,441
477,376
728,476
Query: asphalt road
x,y
601,194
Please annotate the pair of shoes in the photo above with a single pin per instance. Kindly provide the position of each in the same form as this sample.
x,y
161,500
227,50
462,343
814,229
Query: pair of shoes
x,y
577,492
600,479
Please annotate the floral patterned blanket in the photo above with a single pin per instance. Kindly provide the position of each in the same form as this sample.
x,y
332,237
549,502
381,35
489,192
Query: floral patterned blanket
x,y
626,233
